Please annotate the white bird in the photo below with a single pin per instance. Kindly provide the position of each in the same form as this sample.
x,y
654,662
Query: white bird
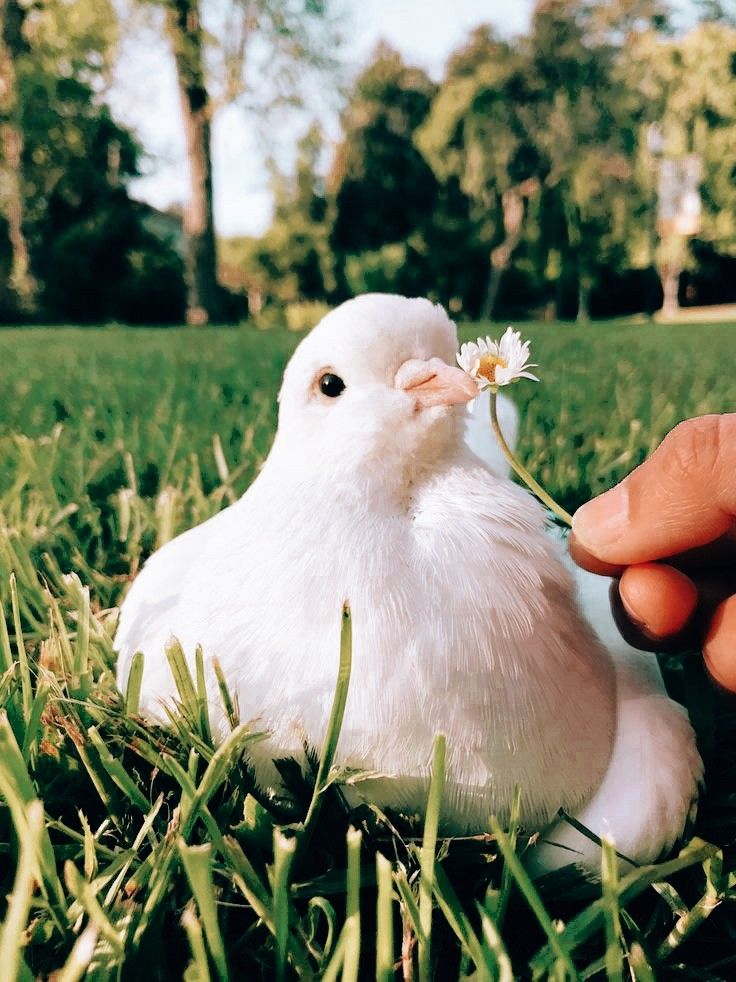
x,y
465,618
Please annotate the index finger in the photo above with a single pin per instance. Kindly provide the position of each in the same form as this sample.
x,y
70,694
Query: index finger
x,y
682,497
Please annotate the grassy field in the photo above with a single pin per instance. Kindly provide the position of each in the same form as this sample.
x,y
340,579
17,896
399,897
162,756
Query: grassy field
x,y
154,853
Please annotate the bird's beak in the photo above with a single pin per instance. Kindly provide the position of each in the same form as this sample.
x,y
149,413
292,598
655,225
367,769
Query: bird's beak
x,y
434,383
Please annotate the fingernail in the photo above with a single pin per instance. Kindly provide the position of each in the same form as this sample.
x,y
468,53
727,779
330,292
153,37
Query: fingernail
x,y
600,522
635,617
719,649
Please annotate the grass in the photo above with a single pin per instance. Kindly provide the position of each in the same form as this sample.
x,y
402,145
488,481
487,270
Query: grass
x,y
135,851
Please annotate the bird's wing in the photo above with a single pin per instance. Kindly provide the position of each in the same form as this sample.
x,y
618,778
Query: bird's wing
x,y
649,790
652,780
480,437
150,607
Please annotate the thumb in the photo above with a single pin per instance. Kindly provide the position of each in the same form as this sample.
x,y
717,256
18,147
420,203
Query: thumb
x,y
683,496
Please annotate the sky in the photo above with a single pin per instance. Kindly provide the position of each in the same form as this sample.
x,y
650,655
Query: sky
x,y
144,97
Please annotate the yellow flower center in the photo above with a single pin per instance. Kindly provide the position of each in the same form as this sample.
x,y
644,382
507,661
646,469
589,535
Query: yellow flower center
x,y
488,366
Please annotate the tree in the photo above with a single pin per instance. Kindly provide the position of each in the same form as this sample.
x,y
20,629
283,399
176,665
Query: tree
x,y
184,27
277,40
14,50
380,184
476,134
382,192
81,244
293,260
696,119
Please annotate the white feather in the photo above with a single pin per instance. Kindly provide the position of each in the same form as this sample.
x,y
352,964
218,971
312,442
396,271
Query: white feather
x,y
464,616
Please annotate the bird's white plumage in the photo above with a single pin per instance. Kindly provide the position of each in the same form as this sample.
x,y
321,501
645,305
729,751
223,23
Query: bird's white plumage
x,y
464,617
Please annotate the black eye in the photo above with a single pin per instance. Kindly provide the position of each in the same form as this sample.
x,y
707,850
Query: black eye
x,y
331,385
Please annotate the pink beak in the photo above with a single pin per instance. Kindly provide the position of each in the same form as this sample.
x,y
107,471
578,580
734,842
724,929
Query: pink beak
x,y
434,383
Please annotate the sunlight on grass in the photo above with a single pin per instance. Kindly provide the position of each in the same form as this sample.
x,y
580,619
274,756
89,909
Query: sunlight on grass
x,y
153,848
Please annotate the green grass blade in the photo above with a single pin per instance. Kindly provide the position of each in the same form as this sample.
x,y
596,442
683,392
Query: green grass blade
x,y
18,791
493,948
6,654
82,676
229,706
536,905
334,726
427,860
190,923
217,772
76,965
117,773
26,683
315,907
197,863
144,832
12,940
248,882
204,715
133,686
337,960
507,879
183,681
588,921
409,902
86,897
34,727
384,921
351,928
689,920
283,852
458,920
611,918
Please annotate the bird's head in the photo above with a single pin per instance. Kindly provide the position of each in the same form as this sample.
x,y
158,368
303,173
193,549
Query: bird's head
x,y
372,390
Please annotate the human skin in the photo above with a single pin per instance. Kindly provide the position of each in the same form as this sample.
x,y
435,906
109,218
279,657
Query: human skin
x,y
667,534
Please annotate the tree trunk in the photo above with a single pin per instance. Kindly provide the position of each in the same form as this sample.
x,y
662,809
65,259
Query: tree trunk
x,y
204,295
584,287
13,46
670,288
512,204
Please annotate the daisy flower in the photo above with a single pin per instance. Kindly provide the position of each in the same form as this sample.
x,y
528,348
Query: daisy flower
x,y
496,363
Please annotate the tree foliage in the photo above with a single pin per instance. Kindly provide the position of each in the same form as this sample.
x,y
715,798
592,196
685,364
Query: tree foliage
x,y
88,243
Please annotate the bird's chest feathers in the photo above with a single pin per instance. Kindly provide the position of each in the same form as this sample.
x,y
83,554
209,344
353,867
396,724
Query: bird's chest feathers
x,y
445,595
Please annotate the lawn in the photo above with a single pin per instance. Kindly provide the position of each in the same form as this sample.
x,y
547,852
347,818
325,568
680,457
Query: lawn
x,y
155,854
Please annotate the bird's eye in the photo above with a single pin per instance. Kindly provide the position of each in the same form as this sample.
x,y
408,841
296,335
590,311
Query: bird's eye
x,y
331,385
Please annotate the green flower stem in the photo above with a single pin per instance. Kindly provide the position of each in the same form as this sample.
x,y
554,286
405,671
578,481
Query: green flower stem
x,y
522,471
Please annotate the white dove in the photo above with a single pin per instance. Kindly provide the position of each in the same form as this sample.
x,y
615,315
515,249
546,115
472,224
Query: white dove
x,y
464,616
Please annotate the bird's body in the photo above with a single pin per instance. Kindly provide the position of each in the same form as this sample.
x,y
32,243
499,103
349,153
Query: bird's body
x,y
464,615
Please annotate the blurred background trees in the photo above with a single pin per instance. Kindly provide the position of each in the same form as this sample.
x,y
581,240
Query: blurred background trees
x,y
527,180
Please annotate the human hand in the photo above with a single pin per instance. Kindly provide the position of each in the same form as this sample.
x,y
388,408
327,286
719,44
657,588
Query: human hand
x,y
679,506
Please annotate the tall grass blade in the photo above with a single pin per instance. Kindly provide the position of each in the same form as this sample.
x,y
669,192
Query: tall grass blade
x,y
82,953
26,683
19,902
536,905
85,895
334,726
351,928
283,853
458,920
18,791
611,918
190,923
384,921
427,859
133,686
197,863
